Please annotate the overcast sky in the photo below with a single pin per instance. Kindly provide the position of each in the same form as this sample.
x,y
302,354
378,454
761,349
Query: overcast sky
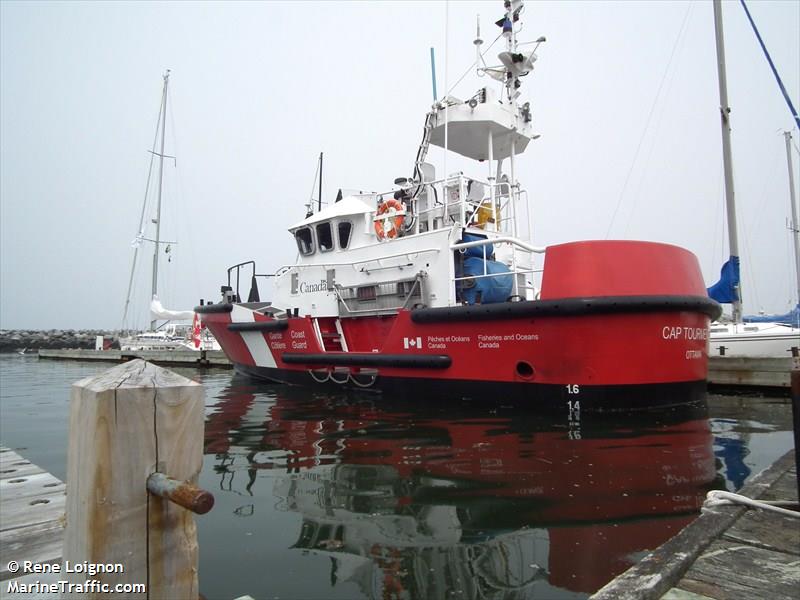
x,y
624,96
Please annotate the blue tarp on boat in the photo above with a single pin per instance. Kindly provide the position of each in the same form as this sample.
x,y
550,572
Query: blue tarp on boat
x,y
487,290
725,290
791,318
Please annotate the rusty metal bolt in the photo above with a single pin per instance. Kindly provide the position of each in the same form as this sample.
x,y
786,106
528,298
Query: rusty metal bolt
x,y
183,493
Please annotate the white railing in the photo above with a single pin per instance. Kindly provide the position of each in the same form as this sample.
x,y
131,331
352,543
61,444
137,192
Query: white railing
x,y
500,240
384,298
461,200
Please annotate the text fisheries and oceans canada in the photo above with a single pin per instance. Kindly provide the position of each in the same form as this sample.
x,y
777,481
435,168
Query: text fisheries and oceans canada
x,y
485,341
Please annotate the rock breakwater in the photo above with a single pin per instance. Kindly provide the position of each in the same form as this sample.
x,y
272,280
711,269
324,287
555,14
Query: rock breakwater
x,y
16,340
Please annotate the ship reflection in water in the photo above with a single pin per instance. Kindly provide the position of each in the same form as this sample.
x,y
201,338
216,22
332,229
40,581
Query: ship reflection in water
x,y
429,500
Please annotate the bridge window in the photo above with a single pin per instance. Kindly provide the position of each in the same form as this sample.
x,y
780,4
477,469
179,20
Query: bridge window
x,y
305,242
325,237
345,227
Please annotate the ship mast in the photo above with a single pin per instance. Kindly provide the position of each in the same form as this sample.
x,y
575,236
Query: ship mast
x,y
489,126
733,238
160,185
794,225
512,82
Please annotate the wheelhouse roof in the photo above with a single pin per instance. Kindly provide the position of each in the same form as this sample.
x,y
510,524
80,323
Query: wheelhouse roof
x,y
348,206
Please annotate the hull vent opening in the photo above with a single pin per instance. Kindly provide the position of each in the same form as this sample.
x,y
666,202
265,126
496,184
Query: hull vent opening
x,y
524,369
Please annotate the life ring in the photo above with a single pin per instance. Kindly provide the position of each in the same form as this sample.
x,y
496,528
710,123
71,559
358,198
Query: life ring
x,y
389,219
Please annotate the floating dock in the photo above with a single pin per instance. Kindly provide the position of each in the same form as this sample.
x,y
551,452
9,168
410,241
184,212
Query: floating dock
x,y
32,505
728,552
175,358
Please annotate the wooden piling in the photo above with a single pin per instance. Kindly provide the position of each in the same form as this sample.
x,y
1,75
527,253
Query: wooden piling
x,y
125,424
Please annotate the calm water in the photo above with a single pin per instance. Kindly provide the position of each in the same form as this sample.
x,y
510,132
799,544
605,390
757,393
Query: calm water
x,y
351,496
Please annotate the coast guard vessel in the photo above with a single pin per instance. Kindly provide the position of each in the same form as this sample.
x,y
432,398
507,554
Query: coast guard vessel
x,y
432,286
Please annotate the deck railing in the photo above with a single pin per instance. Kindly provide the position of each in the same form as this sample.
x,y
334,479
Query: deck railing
x,y
379,298
459,200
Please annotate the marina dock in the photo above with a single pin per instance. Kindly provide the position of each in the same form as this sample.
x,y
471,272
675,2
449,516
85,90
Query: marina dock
x,y
177,358
728,552
751,371
32,505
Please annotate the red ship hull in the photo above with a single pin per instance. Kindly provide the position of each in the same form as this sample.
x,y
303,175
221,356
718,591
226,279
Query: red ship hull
x,y
616,321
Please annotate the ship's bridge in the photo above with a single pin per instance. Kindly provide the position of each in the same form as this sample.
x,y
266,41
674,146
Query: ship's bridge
x,y
338,226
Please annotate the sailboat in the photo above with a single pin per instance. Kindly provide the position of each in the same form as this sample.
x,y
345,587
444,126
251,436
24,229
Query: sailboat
x,y
170,335
746,336
429,285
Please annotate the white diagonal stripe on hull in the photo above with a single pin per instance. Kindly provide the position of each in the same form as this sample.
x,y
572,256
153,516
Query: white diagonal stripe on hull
x,y
254,340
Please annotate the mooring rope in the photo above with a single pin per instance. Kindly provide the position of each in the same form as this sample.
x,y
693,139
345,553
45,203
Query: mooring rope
x,y
723,498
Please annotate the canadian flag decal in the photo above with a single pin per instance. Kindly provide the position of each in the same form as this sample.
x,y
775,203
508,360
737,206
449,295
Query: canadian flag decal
x,y
412,343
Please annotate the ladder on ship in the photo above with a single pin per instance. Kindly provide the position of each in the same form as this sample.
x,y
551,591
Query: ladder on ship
x,y
330,334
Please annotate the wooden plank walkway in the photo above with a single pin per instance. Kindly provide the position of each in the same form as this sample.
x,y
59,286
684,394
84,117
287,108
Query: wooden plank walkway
x,y
728,553
32,505
757,557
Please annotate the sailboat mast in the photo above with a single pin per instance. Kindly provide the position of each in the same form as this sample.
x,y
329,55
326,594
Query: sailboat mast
x,y
160,185
733,238
795,225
